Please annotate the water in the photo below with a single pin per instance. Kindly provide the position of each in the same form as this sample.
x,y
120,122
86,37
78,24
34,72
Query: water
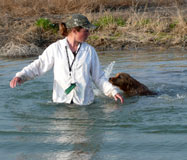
x,y
143,128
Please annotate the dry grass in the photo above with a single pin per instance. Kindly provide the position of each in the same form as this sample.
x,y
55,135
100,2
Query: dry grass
x,y
39,7
165,27
129,23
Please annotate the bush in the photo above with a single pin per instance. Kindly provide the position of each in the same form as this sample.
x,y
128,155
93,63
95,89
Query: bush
x,y
46,25
109,20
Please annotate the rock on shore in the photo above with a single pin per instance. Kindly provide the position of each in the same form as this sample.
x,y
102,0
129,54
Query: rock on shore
x,y
13,50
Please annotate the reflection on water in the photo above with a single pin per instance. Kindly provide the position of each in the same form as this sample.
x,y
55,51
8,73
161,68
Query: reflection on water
x,y
75,128
143,128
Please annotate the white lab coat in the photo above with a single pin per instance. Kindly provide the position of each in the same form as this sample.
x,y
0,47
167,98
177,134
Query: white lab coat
x,y
85,68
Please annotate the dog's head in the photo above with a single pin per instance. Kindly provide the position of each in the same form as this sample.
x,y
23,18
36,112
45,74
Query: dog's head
x,y
123,80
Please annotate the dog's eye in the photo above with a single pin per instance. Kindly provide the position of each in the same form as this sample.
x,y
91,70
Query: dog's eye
x,y
119,76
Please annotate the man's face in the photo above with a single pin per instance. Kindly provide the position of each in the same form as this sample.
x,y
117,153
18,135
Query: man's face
x,y
82,35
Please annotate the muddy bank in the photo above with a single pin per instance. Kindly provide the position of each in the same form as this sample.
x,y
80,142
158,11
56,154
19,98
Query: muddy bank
x,y
15,49
116,30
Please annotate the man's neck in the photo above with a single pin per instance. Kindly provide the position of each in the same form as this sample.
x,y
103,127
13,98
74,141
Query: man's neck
x,y
73,44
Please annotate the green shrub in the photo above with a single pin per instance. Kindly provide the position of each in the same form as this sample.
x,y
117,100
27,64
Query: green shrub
x,y
94,37
173,25
46,25
108,20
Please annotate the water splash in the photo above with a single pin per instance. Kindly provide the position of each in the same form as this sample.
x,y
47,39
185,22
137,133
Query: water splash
x,y
109,69
172,98
181,96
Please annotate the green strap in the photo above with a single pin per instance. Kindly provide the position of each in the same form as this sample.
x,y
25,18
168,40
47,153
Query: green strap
x,y
70,88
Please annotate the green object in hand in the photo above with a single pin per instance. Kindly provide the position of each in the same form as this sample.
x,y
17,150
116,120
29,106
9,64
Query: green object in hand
x,y
70,88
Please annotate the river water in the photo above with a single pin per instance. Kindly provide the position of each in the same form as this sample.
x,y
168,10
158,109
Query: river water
x,y
143,128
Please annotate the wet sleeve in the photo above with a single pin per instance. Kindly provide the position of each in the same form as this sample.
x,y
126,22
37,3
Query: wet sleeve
x,y
38,67
99,78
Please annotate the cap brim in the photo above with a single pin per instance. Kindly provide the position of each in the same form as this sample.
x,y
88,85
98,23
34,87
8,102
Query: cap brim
x,y
90,26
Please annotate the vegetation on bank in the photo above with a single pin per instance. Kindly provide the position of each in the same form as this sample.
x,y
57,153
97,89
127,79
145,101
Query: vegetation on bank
x,y
120,23
165,28
20,8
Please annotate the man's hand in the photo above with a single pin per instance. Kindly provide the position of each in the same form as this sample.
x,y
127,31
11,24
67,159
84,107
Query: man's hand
x,y
118,96
14,82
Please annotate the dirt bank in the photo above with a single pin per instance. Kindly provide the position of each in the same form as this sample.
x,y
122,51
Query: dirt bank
x,y
132,27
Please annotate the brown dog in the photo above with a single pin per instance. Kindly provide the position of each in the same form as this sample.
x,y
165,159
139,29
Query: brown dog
x,y
129,85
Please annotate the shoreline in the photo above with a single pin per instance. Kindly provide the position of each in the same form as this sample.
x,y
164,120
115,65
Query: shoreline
x,y
120,46
12,50
26,51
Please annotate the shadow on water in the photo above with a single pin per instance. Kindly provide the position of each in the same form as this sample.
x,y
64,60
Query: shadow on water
x,y
146,127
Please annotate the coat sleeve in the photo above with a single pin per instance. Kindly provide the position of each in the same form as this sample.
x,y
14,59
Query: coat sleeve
x,y
99,78
38,67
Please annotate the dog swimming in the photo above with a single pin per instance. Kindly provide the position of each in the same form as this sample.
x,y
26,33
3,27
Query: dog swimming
x,y
130,86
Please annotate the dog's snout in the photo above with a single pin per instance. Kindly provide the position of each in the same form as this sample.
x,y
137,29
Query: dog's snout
x,y
111,80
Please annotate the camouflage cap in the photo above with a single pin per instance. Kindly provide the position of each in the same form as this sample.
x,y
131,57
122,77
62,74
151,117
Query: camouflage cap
x,y
77,20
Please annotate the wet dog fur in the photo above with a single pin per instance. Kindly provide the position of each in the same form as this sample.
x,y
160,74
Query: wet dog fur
x,y
129,85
